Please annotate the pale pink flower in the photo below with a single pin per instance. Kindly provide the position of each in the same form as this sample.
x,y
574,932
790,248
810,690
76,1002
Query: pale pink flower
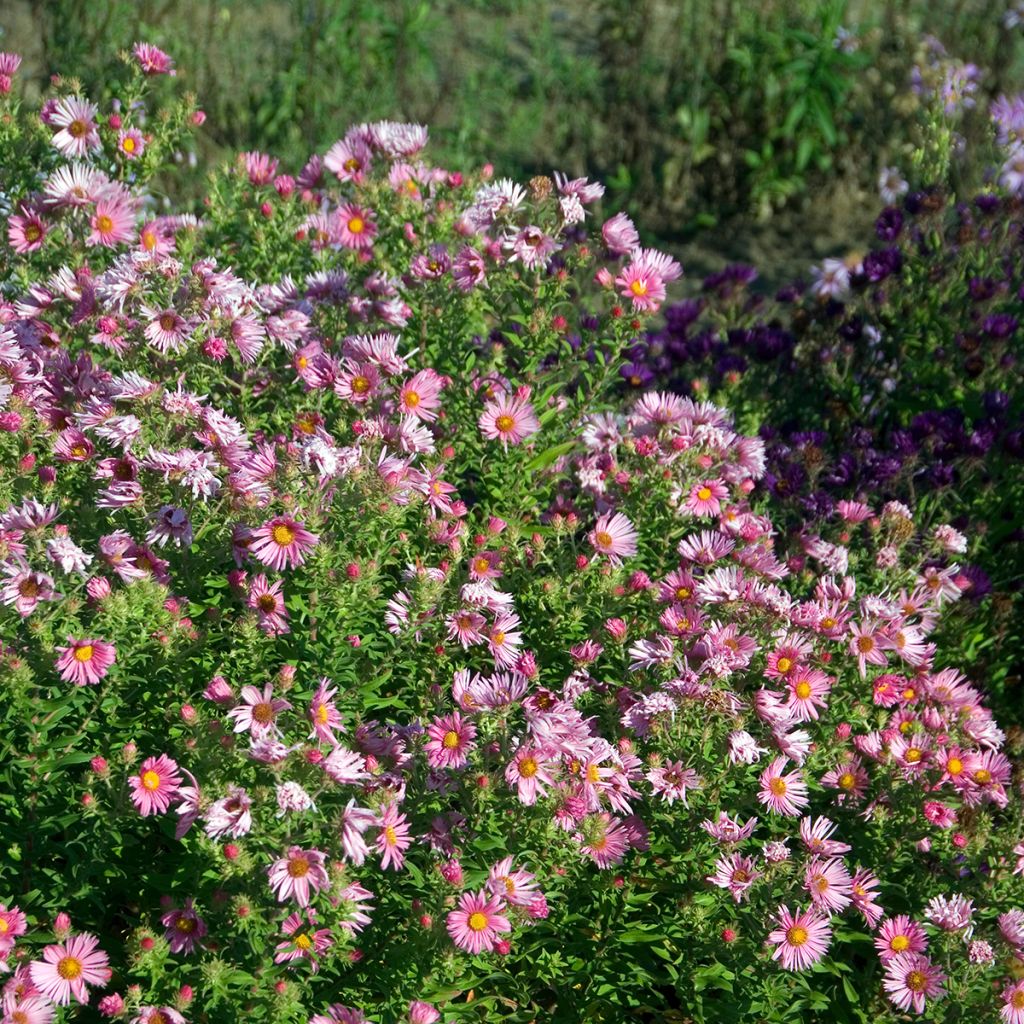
x,y
67,969
282,542
393,839
155,783
477,921
509,419
910,979
297,874
801,939
450,741
614,536
784,794
85,662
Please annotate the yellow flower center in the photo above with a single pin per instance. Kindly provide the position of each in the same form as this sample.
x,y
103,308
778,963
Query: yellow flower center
x,y
638,287
360,385
33,233
391,835
954,766
1017,999
777,786
303,941
128,144
83,653
913,755
150,781
477,921
412,398
451,740
603,538
481,565
355,225
186,925
703,494
497,638
104,224
69,968
828,622
298,867
803,689
263,713
983,775
528,767
283,535
593,774
322,714
899,943
847,780
682,593
504,423
77,129
796,936
917,981
149,240
865,644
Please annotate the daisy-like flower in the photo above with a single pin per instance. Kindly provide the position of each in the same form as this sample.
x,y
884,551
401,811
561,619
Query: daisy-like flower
x,y
26,230
603,840
509,419
706,498
67,969
671,781
735,873
298,873
866,643
808,690
815,832
113,220
614,536
784,794
158,1015
12,924
393,839
865,896
302,939
1012,1010
801,939
258,711
504,639
282,543
420,396
184,927
25,589
450,741
910,979
167,331
354,822
477,921
899,935
85,662
324,714
153,60
75,119
517,887
829,884
31,1009
268,602
230,816
528,772
131,143
154,785
356,228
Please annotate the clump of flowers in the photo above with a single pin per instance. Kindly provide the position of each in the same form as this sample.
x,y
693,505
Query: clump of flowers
x,y
370,658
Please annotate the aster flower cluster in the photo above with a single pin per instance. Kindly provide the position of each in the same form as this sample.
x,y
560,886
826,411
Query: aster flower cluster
x,y
368,653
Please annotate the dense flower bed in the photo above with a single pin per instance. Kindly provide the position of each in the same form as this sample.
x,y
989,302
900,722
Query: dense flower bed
x,y
366,657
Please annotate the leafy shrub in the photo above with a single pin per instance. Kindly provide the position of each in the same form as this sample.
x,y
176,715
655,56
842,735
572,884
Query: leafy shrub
x,y
366,656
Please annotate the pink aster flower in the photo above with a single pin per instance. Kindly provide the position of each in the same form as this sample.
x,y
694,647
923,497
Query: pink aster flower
x,y
604,840
298,873
258,711
113,220
302,939
509,419
808,691
801,939
131,143
26,230
829,884
866,643
167,330
477,921
85,662
184,928
643,286
282,542
154,785
910,979
899,935
153,60
268,602
67,969
528,772
706,498
420,395
78,134
735,873
324,714
784,794
356,228
25,589
393,839
30,1009
450,741
515,886
230,816
504,639
671,781
1012,1010
158,1015
614,536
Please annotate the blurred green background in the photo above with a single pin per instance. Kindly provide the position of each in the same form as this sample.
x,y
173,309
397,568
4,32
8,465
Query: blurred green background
x,y
742,129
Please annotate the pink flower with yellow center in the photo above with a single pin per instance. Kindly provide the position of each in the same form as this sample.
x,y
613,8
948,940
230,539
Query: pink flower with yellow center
x,y
297,874
477,921
509,419
154,785
801,939
85,662
67,969
282,543
356,228
450,741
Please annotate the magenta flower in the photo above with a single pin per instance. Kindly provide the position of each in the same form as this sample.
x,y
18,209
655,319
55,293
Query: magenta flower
x,y
324,714
801,939
153,60
258,711
477,921
910,979
706,498
420,396
784,794
266,599
517,886
154,785
528,772
113,220
184,928
451,740
509,419
1012,1010
735,873
302,939
356,228
26,231
85,662
393,839
614,536
829,884
282,542
67,969
298,873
